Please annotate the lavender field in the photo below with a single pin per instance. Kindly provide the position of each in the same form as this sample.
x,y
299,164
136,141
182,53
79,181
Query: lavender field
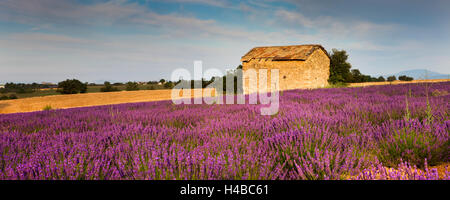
x,y
378,132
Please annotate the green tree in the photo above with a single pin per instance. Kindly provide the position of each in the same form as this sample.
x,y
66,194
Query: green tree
x,y
108,87
391,78
339,67
381,79
405,78
131,86
356,75
72,87
168,85
13,96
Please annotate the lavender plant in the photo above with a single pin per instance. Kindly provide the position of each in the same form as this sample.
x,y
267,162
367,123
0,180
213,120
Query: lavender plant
x,y
327,133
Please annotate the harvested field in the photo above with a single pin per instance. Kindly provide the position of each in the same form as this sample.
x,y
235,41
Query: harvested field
x,y
82,100
95,99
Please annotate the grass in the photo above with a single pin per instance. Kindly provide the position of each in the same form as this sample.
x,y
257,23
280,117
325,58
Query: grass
x,y
47,107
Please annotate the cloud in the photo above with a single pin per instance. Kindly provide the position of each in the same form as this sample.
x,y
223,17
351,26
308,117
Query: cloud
x,y
68,12
216,3
155,43
333,26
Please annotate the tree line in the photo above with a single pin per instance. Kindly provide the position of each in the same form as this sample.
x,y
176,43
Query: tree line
x,y
341,72
73,86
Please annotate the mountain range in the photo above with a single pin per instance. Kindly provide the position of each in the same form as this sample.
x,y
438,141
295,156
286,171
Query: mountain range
x,y
419,74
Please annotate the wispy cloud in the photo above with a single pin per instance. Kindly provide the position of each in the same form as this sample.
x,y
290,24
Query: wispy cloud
x,y
67,37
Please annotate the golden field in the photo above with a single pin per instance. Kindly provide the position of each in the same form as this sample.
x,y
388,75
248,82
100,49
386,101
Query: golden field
x,y
83,100
107,98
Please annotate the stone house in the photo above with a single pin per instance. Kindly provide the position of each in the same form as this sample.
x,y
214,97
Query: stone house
x,y
300,66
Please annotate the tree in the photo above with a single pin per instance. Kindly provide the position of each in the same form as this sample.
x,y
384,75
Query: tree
x,y
381,79
168,85
13,96
357,77
405,78
108,87
391,78
162,81
72,87
339,67
131,86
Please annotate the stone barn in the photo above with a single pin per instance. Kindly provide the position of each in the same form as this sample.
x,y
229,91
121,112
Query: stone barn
x,y
300,66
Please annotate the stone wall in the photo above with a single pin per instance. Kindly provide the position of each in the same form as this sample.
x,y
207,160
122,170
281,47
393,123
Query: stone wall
x,y
312,73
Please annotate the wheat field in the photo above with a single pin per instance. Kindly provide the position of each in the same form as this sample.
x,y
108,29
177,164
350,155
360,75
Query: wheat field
x,y
95,99
83,100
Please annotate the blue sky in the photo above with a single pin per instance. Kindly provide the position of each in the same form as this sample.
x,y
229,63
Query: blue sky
x,y
120,40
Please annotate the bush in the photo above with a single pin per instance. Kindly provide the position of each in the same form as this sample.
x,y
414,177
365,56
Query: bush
x,y
132,86
405,78
4,97
72,87
168,85
391,78
21,88
108,87
13,96
337,85
47,107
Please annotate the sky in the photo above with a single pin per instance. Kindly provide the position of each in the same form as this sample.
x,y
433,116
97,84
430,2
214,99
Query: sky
x,y
143,40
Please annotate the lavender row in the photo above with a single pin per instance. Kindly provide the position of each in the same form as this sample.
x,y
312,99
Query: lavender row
x,y
339,133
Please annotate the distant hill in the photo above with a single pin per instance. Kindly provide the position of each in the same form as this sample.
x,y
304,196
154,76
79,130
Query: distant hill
x,y
419,74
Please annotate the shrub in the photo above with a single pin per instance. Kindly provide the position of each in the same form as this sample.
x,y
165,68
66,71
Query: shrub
x,y
168,85
47,107
337,85
132,86
108,87
405,78
13,96
381,79
4,97
73,86
391,78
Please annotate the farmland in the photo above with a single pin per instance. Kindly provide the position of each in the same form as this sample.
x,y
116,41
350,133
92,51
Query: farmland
x,y
378,132
36,101
82,100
